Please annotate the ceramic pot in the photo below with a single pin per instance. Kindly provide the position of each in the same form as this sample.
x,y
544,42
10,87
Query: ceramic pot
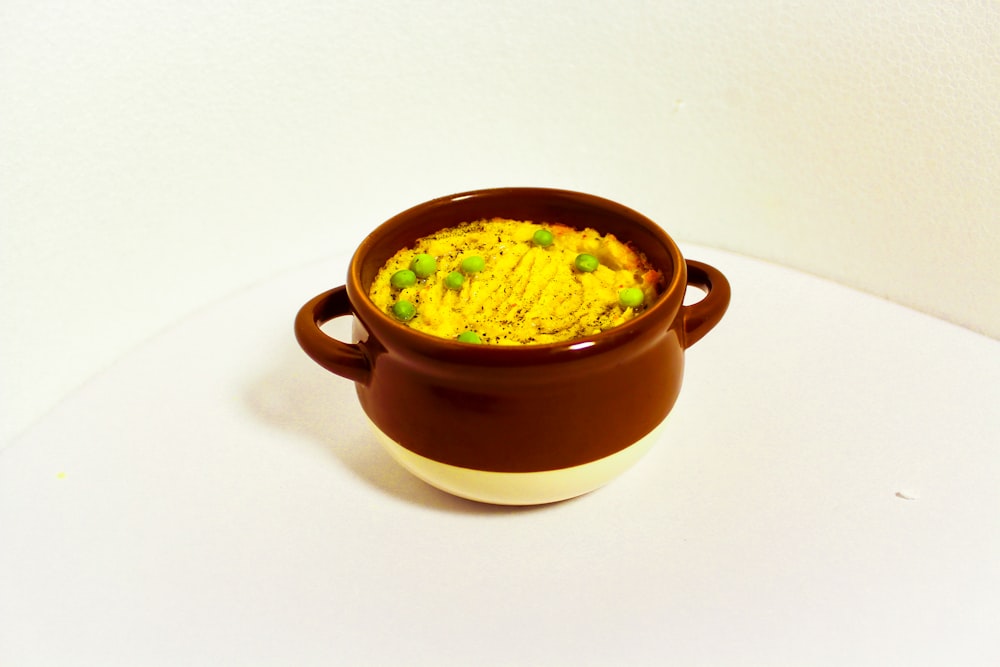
x,y
516,425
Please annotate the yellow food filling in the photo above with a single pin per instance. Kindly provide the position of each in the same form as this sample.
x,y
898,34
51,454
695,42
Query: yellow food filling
x,y
533,287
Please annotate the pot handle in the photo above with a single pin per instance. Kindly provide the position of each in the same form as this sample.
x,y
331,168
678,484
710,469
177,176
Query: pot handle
x,y
347,360
699,318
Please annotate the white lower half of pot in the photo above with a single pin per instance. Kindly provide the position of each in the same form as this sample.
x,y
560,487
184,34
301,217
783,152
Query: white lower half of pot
x,y
519,488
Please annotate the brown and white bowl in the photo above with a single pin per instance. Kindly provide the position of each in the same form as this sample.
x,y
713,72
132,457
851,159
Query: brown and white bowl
x,y
516,425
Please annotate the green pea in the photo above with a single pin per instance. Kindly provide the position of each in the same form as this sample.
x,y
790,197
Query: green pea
x,y
631,297
402,279
543,237
473,264
469,337
454,280
403,310
586,262
423,265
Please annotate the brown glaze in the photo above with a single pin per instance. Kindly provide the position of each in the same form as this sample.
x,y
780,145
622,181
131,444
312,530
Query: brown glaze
x,y
516,408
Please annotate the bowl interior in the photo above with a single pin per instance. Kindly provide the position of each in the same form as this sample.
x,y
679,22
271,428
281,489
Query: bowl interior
x,y
532,204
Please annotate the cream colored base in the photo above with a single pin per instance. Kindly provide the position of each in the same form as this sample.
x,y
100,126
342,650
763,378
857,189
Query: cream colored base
x,y
518,488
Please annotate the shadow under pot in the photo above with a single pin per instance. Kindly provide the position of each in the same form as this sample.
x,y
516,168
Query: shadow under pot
x,y
516,424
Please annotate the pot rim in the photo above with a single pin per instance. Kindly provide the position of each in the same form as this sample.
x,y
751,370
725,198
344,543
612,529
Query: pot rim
x,y
393,334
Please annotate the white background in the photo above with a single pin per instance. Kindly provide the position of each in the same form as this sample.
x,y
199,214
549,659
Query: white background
x,y
180,485
157,156
824,494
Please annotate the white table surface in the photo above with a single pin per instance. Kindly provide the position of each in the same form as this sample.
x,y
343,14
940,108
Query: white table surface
x,y
827,492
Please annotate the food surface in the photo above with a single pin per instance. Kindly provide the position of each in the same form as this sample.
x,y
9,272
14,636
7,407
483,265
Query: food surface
x,y
512,282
